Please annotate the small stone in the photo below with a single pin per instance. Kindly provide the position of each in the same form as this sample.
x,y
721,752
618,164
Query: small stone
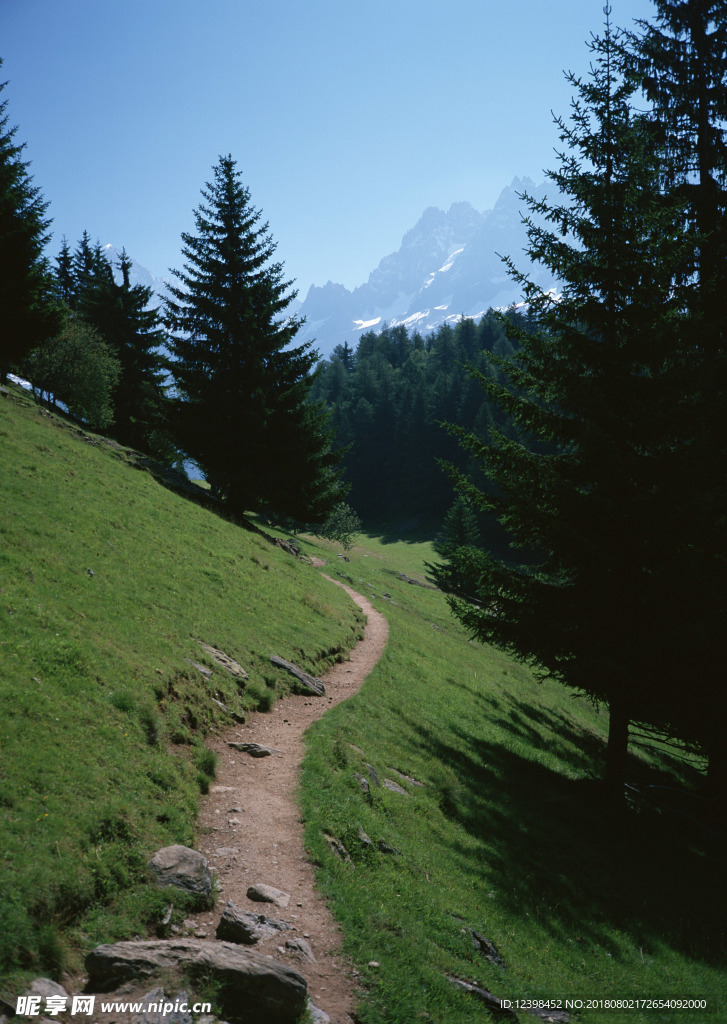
x,y
253,749
181,867
338,848
202,669
394,787
311,683
363,783
317,1015
374,963
365,839
488,950
407,778
491,1001
229,664
299,947
268,894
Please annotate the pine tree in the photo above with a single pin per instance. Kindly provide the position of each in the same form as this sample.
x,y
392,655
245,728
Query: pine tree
x,y
460,534
680,63
65,278
244,413
119,312
459,528
597,387
27,311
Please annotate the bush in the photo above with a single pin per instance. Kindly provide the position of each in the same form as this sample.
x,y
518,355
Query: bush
x,y
342,526
78,369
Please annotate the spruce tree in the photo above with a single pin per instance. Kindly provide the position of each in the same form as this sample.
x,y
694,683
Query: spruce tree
x,y
27,310
459,533
65,277
680,63
459,528
596,387
120,312
243,411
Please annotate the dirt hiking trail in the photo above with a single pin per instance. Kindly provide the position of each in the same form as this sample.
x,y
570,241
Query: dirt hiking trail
x,y
251,831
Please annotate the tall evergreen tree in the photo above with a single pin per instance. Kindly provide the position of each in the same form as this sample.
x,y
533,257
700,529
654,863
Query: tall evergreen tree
x,y
65,278
244,413
119,312
597,387
27,310
680,63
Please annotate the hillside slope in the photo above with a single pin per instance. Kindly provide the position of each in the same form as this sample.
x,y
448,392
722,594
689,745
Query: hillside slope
x,y
503,863
108,583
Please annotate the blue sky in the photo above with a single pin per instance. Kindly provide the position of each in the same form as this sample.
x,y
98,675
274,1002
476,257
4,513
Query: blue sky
x,y
347,119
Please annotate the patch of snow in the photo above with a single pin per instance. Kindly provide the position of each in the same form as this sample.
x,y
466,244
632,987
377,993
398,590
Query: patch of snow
x,y
362,325
456,318
409,321
450,260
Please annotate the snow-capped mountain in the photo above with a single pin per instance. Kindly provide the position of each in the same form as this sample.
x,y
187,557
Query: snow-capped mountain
x,y
447,267
137,273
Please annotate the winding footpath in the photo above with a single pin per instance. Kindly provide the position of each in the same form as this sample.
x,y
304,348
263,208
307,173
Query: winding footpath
x,y
251,831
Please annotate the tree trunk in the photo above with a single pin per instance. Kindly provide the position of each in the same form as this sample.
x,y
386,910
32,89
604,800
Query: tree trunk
x,y
617,749
716,787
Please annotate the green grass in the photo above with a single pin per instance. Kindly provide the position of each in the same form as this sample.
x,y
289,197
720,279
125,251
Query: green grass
x,y
510,836
107,583
102,756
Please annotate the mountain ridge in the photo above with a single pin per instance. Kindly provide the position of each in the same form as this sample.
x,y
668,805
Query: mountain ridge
x,y
449,266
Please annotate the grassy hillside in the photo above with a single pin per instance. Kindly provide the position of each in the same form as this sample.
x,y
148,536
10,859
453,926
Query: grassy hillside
x,y
108,580
509,837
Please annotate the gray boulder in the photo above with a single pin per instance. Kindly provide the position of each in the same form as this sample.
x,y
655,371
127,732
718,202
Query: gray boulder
x,y
44,987
267,894
153,1012
252,988
184,868
240,926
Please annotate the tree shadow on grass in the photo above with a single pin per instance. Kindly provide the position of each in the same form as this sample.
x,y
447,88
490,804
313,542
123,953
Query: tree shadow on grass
x,y
562,854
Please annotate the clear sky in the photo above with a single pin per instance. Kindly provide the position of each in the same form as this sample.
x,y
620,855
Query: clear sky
x,y
347,118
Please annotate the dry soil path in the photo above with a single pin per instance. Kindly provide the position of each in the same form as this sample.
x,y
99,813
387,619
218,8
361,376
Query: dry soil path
x,y
251,830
